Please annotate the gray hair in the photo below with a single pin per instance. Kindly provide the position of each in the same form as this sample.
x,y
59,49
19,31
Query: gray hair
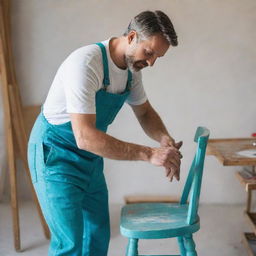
x,y
149,23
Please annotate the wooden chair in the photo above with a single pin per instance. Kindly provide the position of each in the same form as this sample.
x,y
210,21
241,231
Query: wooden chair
x,y
167,220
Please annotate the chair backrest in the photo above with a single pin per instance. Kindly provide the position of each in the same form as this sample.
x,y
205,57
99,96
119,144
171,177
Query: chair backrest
x,y
194,180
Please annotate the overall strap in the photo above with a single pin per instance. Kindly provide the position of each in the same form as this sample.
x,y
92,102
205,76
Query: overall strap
x,y
106,80
129,81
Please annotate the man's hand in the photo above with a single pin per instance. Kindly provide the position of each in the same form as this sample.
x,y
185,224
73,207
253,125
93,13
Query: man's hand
x,y
167,141
169,158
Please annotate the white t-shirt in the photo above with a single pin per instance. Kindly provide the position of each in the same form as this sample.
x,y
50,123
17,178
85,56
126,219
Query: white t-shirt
x,y
78,79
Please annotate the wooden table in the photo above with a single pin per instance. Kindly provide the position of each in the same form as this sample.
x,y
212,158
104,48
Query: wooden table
x,y
225,151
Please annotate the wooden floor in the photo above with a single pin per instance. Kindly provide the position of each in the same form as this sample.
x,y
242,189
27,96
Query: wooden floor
x,y
223,239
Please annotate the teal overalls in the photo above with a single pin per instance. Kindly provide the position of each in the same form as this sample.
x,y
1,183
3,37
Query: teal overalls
x,y
70,182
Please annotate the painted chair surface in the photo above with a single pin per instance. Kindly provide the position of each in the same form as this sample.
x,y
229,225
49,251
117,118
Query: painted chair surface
x,y
168,220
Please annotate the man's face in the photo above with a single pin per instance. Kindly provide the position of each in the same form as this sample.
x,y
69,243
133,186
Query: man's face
x,y
145,52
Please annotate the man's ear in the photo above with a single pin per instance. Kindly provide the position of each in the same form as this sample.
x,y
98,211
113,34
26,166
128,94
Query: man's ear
x,y
131,36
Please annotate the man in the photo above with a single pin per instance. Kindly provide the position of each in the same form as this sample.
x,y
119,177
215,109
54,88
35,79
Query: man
x,y
69,140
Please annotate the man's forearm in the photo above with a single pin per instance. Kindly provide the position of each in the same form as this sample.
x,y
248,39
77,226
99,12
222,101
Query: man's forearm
x,y
107,146
153,126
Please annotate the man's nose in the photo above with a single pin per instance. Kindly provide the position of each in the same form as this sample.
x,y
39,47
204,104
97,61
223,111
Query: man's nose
x,y
151,61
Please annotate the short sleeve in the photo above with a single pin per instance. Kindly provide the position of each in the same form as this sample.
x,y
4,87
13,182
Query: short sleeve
x,y
138,95
81,82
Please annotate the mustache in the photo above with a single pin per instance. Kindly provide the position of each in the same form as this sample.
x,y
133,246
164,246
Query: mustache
x,y
141,63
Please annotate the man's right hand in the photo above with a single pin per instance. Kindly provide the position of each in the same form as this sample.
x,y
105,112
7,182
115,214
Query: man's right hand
x,y
168,157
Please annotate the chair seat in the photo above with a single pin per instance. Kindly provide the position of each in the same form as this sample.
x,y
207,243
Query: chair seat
x,y
156,220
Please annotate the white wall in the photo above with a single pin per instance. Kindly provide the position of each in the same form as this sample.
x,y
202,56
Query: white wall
x,y
209,79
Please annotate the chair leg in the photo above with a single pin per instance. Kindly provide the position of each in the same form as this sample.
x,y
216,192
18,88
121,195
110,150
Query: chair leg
x,y
181,245
132,248
190,245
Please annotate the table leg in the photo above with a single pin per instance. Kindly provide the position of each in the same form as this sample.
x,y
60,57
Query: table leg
x,y
249,200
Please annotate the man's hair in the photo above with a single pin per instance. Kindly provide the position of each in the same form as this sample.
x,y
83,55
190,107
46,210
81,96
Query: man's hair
x,y
149,23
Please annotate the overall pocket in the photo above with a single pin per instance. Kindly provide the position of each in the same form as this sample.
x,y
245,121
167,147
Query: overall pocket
x,y
47,153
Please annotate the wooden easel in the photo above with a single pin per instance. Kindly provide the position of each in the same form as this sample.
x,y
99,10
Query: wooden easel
x,y
16,130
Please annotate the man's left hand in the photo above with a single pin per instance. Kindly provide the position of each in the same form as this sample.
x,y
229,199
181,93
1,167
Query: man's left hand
x,y
167,141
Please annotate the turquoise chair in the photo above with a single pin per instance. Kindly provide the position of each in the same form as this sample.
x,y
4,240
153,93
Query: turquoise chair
x,y
167,220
